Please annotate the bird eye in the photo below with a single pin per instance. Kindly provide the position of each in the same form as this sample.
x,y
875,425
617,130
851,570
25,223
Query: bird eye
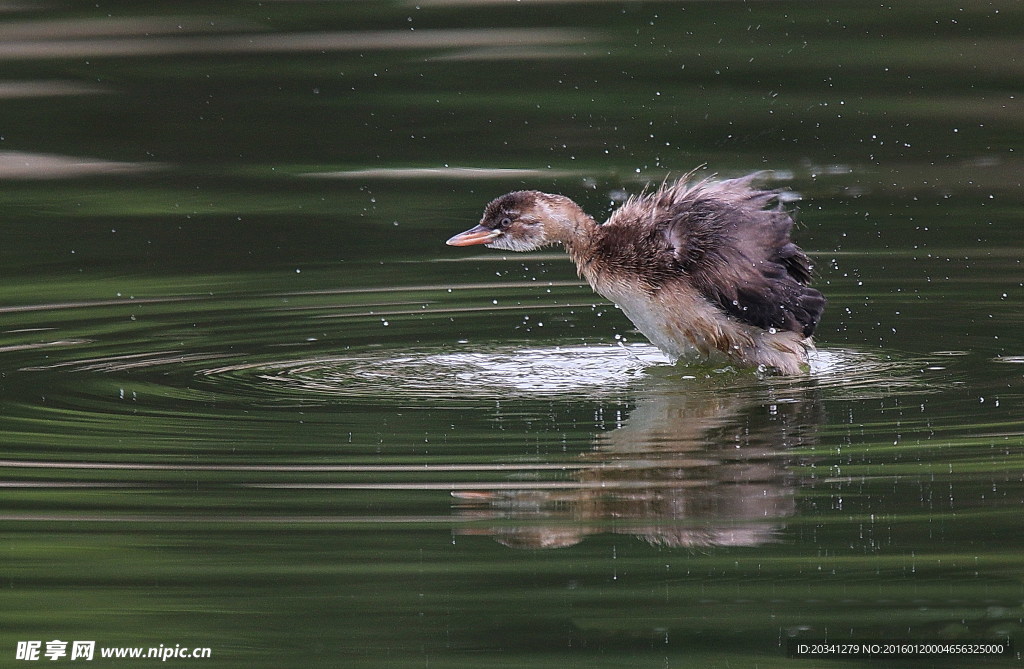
x,y
505,222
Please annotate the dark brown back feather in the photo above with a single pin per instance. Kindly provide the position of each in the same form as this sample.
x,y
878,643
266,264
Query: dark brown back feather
x,y
732,249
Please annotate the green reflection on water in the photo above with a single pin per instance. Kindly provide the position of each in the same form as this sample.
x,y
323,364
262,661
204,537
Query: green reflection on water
x,y
251,401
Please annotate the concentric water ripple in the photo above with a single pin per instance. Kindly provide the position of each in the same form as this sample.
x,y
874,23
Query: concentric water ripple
x,y
292,357
554,371
496,373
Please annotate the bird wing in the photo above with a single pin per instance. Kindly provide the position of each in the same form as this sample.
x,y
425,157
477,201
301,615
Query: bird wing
x,y
738,255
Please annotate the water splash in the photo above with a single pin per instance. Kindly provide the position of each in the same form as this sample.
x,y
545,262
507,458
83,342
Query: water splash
x,y
487,374
555,371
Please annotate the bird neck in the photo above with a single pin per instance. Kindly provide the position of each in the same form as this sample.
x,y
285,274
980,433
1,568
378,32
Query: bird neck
x,y
581,244
572,227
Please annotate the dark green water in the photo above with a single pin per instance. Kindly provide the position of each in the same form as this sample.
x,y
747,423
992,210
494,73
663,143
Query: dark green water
x,y
251,402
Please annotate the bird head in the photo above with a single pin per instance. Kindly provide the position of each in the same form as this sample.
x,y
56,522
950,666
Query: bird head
x,y
521,221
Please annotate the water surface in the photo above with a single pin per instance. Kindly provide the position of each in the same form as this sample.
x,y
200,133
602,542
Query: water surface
x,y
251,402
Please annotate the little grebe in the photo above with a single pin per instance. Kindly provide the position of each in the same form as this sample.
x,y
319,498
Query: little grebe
x,y
702,265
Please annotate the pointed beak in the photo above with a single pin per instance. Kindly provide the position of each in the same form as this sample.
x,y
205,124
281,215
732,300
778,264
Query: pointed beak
x,y
477,235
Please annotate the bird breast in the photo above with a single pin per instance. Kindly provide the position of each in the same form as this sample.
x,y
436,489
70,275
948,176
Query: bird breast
x,y
677,321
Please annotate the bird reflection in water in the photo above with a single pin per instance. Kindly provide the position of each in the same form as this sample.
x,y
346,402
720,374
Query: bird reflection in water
x,y
686,469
